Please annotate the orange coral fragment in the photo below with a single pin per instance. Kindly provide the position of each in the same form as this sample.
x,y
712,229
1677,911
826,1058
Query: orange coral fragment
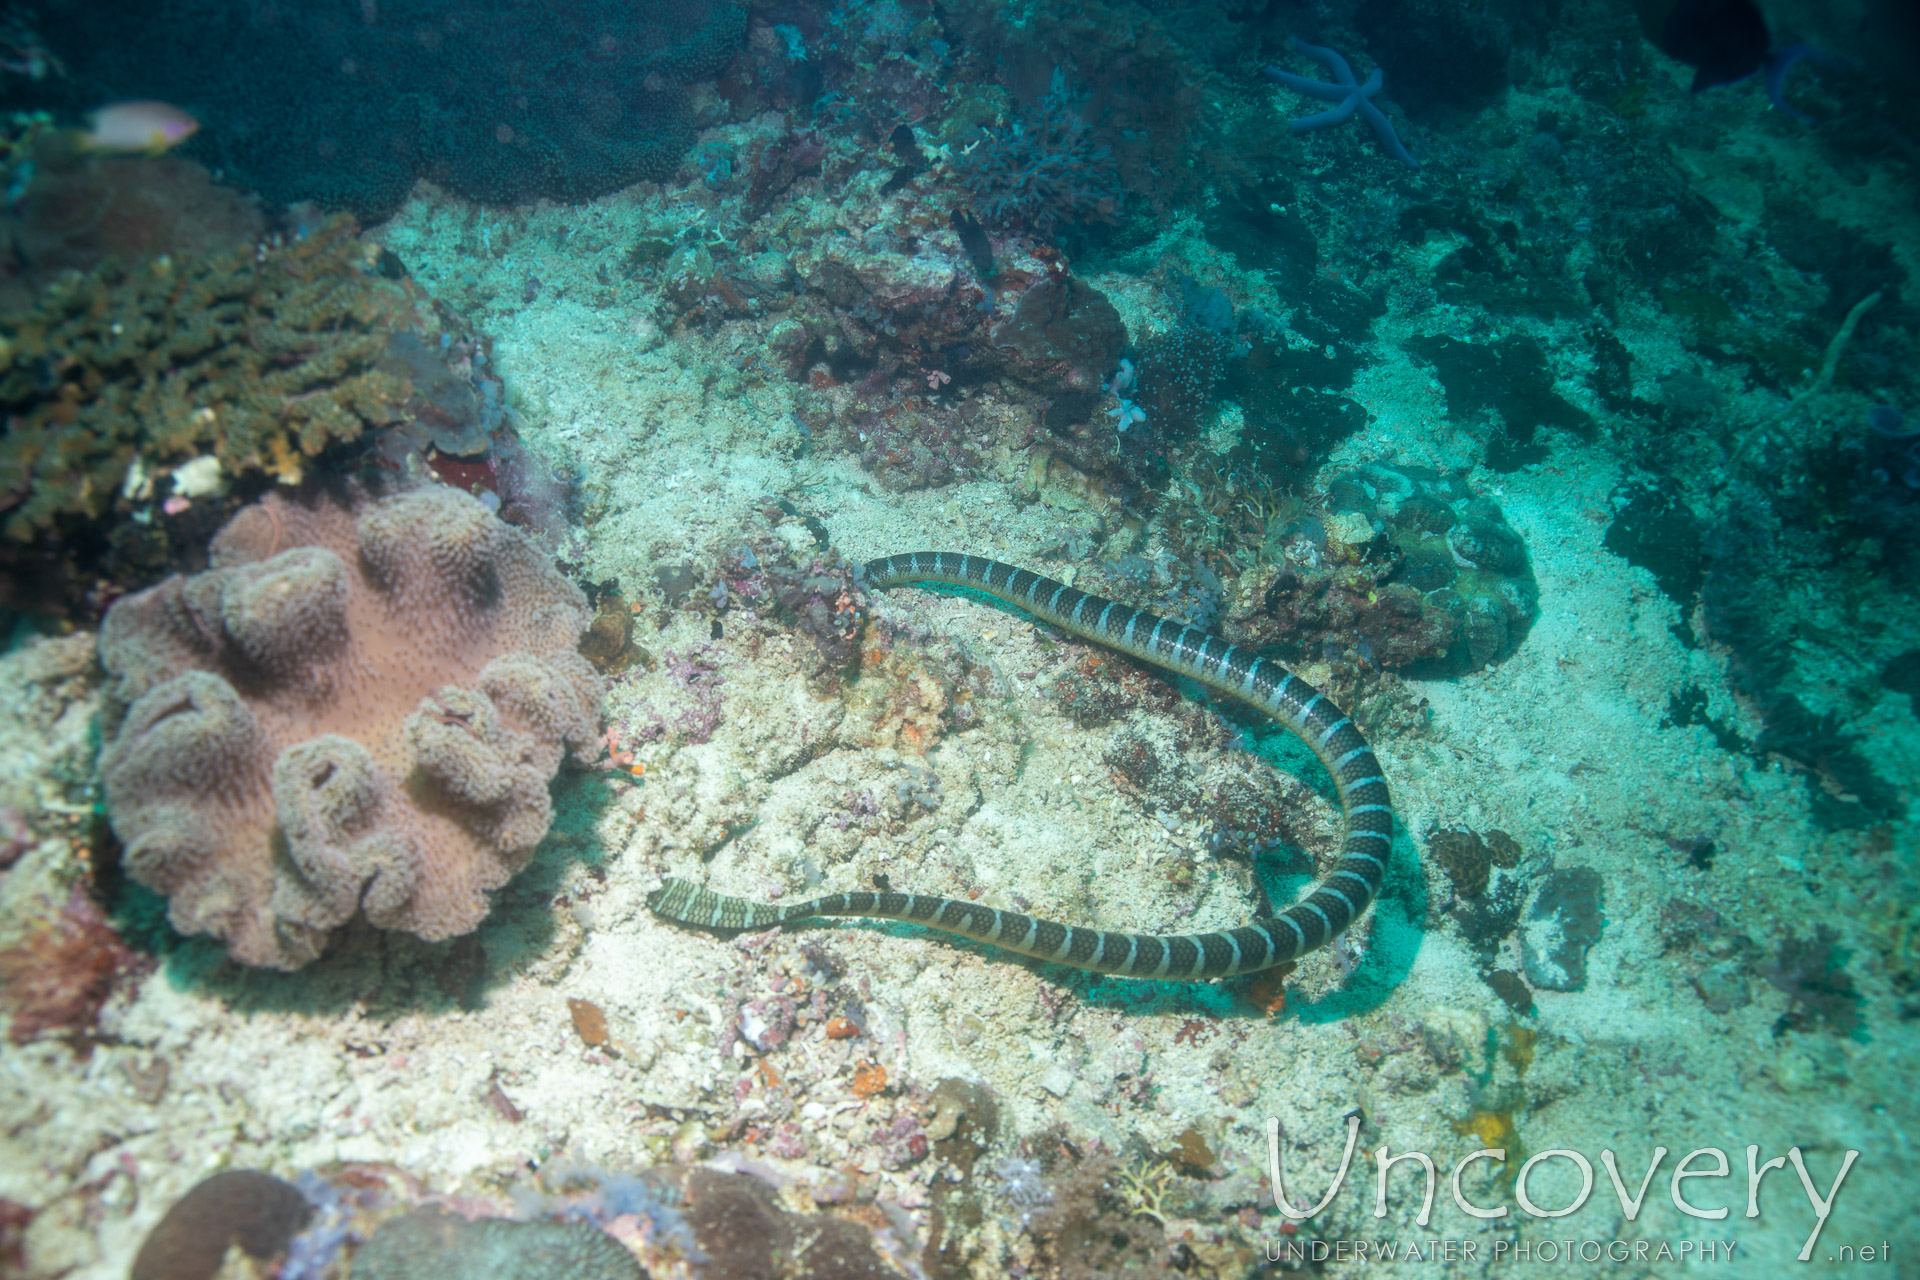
x,y
868,1079
1267,991
589,1022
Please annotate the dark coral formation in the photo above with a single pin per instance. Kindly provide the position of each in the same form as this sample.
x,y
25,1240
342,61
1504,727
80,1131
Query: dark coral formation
x,y
256,1211
357,709
744,1231
1469,858
348,109
1821,993
1562,924
1510,382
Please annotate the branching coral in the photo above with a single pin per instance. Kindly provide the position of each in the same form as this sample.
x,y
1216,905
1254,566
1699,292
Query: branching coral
x,y
1047,168
353,710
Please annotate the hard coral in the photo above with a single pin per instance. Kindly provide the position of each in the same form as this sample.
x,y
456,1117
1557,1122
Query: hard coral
x,y
1047,168
1408,569
358,708
428,1244
259,363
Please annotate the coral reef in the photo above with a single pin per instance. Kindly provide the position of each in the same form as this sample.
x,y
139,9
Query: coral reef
x,y
1048,167
1093,1224
358,708
257,364
146,400
1407,569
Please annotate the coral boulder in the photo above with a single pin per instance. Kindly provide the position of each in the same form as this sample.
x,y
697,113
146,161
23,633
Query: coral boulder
x,y
357,708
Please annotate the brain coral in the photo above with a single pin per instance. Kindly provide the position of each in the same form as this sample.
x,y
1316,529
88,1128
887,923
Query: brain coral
x,y
358,708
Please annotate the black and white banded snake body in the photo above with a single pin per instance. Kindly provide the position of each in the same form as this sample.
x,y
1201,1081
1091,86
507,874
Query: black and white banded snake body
x,y
1334,903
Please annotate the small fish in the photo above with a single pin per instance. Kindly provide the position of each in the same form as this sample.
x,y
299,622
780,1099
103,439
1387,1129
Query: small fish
x,y
1725,42
138,128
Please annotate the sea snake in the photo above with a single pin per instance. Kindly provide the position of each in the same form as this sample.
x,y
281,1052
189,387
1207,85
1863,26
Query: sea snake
x,y
1317,919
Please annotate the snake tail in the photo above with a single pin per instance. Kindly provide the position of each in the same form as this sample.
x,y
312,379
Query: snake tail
x,y
1334,902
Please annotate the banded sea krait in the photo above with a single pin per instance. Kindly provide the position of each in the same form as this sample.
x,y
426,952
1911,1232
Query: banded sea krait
x,y
1333,904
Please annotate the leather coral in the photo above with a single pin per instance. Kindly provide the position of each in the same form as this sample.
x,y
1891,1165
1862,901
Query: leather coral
x,y
358,707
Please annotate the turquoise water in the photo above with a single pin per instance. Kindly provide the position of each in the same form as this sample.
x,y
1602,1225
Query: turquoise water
x,y
448,459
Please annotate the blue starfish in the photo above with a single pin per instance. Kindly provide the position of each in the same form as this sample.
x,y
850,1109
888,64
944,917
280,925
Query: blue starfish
x,y
1347,94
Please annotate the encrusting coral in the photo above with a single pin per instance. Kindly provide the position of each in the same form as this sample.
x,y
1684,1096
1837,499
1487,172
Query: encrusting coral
x,y
357,708
259,363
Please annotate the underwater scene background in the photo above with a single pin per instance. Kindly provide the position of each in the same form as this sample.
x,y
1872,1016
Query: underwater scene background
x,y
488,788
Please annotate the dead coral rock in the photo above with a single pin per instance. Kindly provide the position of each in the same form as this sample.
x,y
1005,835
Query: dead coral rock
x,y
355,709
1063,336
1404,566
256,1211
55,978
744,1230
1563,922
